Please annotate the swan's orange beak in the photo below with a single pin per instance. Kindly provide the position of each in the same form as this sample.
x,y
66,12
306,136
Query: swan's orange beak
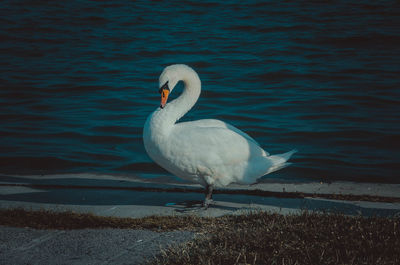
x,y
164,97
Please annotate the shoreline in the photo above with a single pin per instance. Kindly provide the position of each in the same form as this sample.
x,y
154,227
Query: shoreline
x,y
339,190
108,195
228,190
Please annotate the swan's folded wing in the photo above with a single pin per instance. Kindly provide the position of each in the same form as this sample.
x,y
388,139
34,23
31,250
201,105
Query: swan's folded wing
x,y
217,152
209,123
212,145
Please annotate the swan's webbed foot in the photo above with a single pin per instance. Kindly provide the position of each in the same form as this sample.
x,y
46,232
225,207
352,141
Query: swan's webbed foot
x,y
208,200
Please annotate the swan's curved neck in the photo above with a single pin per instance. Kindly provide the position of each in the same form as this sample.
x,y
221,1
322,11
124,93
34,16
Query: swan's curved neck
x,y
191,92
177,108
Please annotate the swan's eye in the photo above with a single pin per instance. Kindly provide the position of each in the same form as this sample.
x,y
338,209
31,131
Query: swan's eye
x,y
165,86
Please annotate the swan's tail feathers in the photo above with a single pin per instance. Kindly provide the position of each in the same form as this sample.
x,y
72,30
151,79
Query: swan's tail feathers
x,y
287,155
280,161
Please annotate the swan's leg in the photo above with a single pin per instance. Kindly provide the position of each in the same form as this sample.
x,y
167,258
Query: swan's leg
x,y
208,199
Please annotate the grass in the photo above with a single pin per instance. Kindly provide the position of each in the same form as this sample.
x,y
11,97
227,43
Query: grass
x,y
255,238
295,239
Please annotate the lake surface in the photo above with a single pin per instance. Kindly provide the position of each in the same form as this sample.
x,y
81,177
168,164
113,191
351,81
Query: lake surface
x,y
79,78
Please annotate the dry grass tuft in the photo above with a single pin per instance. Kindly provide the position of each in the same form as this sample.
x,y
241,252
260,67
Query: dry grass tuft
x,y
44,219
296,239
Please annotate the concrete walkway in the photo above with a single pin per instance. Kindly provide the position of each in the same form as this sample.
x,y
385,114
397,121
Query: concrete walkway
x,y
87,246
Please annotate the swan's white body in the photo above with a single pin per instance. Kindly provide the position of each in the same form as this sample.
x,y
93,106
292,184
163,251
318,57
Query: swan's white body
x,y
210,152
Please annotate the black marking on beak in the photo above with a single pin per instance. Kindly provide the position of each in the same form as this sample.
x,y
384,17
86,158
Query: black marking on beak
x,y
165,86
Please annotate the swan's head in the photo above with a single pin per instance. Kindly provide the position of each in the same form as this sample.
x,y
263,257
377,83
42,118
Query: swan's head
x,y
170,77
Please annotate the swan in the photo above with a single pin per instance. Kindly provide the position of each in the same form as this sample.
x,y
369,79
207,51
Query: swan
x,y
208,152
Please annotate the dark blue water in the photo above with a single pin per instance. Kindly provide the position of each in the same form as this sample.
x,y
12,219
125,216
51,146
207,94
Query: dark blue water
x,y
79,78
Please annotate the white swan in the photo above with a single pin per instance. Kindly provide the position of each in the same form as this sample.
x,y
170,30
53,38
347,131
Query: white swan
x,y
209,152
